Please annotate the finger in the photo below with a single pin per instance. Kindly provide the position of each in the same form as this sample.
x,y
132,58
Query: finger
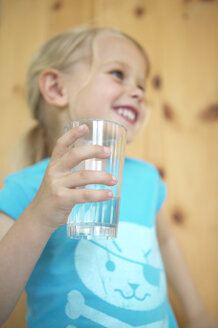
x,y
78,196
87,177
63,143
75,155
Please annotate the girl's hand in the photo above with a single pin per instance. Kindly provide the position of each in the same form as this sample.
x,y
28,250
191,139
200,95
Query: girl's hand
x,y
57,194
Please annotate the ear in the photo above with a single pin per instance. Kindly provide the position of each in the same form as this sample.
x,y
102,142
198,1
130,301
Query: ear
x,y
52,86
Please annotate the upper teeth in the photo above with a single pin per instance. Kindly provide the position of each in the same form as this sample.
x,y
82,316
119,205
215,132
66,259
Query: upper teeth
x,y
127,113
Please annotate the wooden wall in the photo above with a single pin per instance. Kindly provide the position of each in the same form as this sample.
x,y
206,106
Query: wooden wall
x,y
181,138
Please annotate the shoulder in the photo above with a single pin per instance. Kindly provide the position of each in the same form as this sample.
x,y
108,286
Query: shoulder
x,y
26,181
30,174
33,169
20,188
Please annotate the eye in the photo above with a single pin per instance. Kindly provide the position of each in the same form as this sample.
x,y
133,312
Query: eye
x,y
141,87
110,265
118,74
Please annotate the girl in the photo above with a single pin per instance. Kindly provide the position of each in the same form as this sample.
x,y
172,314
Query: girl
x,y
88,73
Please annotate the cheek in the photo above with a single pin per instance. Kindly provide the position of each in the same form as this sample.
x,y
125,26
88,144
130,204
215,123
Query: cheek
x,y
143,111
114,91
103,90
85,104
95,99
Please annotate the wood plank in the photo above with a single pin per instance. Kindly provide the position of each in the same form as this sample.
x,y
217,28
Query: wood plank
x,y
181,136
24,26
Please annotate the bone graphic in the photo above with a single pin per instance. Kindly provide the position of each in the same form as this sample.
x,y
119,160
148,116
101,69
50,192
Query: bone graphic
x,y
76,307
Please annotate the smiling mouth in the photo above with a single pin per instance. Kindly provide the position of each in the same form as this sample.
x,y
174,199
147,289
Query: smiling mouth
x,y
132,296
129,113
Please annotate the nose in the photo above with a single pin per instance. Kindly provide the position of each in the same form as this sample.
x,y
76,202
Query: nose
x,y
136,92
133,286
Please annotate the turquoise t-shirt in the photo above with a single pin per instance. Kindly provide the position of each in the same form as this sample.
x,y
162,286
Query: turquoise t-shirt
x,y
117,283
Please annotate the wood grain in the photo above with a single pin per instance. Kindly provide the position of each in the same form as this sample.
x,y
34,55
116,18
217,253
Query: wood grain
x,y
181,135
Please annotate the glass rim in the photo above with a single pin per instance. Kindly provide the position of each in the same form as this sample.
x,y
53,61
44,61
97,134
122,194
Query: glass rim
x,y
94,119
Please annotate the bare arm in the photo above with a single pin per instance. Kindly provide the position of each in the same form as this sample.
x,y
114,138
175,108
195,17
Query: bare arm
x,y
23,241
20,249
180,278
6,223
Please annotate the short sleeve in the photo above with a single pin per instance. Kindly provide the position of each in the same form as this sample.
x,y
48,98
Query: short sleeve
x,y
13,199
161,195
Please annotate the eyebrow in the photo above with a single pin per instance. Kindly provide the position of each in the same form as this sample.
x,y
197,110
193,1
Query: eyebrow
x,y
117,62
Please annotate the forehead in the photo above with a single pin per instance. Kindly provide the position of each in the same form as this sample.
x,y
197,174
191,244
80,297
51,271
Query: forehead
x,y
109,48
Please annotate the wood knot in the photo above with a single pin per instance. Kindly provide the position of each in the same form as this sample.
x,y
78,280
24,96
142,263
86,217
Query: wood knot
x,y
185,16
157,82
57,5
161,172
168,112
210,114
139,11
17,89
178,216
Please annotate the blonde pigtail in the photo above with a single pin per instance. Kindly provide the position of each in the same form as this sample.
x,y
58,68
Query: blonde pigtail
x,y
31,149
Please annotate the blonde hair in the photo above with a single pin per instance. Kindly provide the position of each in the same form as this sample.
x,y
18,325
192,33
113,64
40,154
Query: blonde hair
x,y
59,52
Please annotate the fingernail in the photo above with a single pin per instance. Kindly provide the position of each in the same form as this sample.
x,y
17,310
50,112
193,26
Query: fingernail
x,y
107,150
114,178
110,194
82,127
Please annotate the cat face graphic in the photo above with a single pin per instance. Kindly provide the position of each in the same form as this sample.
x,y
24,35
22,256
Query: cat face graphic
x,y
126,272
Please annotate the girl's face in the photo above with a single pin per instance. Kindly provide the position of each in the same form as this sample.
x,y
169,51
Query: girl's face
x,y
113,88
